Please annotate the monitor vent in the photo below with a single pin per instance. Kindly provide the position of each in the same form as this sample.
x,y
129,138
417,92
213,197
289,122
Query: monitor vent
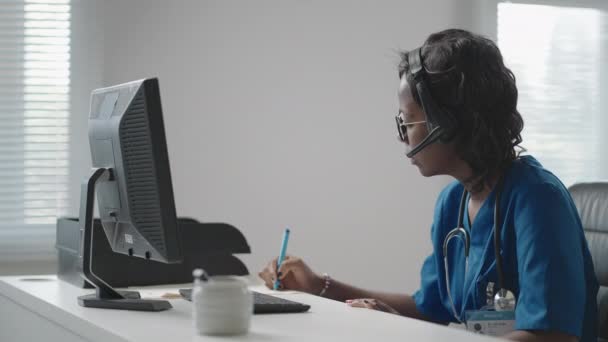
x,y
138,159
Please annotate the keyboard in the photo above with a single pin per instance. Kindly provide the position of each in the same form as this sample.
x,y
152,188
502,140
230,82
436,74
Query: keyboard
x,y
263,303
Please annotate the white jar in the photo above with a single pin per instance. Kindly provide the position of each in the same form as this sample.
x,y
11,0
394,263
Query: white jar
x,y
222,305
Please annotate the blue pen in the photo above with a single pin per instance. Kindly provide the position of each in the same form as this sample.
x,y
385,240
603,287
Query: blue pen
x,y
281,256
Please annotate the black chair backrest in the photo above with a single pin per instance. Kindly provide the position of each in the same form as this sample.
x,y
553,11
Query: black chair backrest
x,y
591,200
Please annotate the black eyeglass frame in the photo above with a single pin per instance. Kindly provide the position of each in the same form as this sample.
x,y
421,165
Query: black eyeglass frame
x,y
402,126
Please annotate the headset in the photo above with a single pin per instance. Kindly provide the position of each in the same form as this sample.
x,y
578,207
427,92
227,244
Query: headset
x,y
440,123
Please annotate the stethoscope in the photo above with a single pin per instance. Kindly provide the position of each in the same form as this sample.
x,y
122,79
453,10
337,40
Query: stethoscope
x,y
503,300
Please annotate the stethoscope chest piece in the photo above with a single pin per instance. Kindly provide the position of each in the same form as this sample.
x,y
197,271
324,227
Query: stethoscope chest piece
x,y
504,300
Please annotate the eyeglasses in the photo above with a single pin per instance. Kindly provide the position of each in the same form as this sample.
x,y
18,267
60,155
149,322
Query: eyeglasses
x,y
402,127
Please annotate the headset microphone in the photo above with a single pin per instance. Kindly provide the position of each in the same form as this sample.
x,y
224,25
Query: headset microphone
x,y
433,136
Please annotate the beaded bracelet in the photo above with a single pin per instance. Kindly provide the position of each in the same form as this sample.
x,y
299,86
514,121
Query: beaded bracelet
x,y
327,283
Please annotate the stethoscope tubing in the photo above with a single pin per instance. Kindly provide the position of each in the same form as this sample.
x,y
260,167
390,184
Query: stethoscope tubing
x,y
465,237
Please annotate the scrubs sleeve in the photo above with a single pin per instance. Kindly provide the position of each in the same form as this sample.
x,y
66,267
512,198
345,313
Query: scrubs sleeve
x,y
428,297
550,262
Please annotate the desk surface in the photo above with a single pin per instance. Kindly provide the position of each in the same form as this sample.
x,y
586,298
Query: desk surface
x,y
328,320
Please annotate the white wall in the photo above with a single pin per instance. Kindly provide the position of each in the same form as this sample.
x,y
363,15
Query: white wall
x,y
280,113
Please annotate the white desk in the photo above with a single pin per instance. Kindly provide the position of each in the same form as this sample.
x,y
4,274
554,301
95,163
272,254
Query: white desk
x,y
46,310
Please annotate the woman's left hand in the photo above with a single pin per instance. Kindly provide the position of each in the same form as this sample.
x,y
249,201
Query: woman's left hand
x,y
370,303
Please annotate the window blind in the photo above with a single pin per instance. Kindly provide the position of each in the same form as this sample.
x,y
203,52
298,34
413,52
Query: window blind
x,y
34,131
555,53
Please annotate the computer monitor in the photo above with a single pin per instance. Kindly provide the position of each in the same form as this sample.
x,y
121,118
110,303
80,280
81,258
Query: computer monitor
x,y
132,180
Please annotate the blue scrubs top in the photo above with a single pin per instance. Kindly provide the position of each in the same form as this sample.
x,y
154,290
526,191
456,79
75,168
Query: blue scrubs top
x,y
547,264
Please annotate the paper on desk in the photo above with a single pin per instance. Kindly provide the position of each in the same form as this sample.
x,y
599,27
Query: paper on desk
x,y
159,294
173,293
265,290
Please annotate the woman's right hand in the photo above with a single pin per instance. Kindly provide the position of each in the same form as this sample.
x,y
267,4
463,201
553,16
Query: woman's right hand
x,y
293,274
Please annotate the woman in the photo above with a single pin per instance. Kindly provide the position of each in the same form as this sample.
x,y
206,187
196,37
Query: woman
x,y
458,117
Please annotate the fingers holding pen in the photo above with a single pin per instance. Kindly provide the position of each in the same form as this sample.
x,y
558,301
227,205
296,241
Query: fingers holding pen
x,y
268,274
286,267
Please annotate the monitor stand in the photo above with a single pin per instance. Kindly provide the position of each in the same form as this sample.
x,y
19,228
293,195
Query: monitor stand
x,y
105,296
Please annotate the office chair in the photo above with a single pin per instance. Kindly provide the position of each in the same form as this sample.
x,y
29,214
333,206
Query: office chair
x,y
591,200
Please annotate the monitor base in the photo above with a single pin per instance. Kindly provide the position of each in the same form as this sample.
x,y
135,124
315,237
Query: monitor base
x,y
135,304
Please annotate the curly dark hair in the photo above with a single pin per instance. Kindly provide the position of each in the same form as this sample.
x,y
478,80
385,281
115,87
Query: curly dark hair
x,y
468,78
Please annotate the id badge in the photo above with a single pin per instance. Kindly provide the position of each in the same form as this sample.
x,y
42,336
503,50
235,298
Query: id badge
x,y
493,323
